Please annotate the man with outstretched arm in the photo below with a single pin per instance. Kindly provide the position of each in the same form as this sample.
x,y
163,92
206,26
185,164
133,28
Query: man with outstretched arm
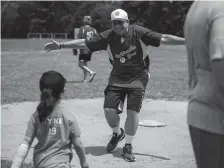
x,y
127,47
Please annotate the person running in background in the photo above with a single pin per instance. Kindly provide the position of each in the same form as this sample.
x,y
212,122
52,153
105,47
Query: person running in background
x,y
204,33
85,55
55,128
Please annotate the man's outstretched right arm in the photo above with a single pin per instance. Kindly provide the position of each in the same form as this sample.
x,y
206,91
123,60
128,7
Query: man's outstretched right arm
x,y
76,44
96,43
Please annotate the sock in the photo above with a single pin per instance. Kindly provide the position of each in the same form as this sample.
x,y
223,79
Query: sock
x,y
129,139
117,130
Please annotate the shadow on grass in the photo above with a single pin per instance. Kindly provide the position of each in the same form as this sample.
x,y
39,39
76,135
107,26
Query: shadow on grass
x,y
101,150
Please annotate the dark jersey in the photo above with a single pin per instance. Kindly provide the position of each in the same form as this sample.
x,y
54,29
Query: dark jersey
x,y
86,32
146,60
128,54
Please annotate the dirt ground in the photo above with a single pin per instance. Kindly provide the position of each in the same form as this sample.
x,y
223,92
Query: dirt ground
x,y
160,147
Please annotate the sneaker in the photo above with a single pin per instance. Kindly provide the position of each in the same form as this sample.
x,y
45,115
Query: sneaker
x,y
92,76
128,153
85,81
112,145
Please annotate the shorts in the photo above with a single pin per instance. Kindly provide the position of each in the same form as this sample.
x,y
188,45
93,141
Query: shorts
x,y
85,57
114,95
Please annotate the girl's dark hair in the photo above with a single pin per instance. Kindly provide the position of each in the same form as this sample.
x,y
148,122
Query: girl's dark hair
x,y
51,85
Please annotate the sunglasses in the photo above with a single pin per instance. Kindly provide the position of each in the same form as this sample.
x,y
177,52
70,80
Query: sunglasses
x,y
117,22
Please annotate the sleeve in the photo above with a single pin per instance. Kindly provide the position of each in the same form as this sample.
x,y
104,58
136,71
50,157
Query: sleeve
x,y
216,43
75,129
149,37
31,130
80,34
98,42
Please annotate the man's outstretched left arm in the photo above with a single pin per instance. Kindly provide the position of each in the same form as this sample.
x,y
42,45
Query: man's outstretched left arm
x,y
152,38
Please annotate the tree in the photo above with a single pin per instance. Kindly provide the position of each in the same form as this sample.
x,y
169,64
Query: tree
x,y
22,17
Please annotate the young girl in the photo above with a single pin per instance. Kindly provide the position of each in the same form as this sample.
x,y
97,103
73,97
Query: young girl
x,y
54,127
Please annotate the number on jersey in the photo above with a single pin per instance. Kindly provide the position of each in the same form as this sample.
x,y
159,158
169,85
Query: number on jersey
x,y
89,35
52,131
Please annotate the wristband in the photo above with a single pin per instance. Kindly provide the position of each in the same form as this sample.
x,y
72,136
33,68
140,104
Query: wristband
x,y
62,45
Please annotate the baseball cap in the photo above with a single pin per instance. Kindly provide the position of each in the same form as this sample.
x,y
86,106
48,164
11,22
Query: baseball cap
x,y
119,14
87,17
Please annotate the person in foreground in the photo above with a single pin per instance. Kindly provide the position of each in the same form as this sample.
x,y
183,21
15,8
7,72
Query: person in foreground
x,y
55,128
204,33
127,48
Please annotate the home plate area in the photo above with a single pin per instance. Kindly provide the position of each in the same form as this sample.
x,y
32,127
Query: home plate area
x,y
151,123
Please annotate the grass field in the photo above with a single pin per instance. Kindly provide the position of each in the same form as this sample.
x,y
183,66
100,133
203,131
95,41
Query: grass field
x,y
23,62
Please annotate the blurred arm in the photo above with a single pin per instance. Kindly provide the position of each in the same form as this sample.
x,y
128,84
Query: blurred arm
x,y
80,150
172,40
22,152
218,71
25,145
216,44
20,156
77,142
